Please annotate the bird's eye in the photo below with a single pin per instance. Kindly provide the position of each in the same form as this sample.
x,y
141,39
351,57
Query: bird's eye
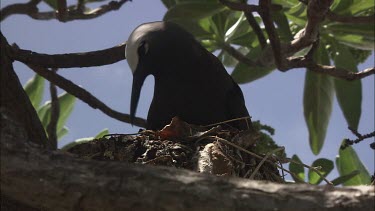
x,y
142,49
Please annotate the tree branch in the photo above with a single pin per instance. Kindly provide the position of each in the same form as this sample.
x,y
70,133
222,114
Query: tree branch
x,y
14,102
75,14
55,114
272,33
257,30
301,62
26,8
56,180
86,59
316,12
238,55
85,96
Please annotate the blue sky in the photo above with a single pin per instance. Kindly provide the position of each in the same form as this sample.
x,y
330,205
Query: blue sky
x,y
276,100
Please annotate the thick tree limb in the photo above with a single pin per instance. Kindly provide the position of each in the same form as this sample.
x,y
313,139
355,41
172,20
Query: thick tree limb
x,y
26,8
32,11
54,180
86,59
14,103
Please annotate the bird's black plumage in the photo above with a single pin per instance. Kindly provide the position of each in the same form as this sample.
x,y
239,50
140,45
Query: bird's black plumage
x,y
190,82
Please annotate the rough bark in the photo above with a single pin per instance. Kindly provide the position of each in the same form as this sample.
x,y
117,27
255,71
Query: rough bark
x,y
51,180
14,102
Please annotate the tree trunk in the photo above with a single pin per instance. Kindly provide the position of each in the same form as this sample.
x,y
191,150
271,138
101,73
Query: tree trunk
x,y
34,177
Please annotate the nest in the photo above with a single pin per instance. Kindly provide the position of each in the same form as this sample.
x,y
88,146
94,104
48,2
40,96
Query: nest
x,y
218,150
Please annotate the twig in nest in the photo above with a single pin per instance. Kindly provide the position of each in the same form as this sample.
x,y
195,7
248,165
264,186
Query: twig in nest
x,y
246,118
245,150
261,162
272,163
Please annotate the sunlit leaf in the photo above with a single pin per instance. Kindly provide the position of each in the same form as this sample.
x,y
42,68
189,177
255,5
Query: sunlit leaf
x,y
243,73
85,140
317,102
341,6
341,179
76,142
193,10
346,162
359,6
34,88
66,102
282,25
298,170
62,132
355,41
348,93
326,167
228,60
102,133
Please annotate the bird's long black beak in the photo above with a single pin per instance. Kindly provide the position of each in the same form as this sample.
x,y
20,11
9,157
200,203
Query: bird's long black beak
x,y
138,79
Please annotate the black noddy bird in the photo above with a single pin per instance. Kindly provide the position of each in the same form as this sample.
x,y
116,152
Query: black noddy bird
x,y
190,82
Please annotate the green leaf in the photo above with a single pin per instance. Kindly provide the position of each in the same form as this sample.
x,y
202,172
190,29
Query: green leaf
x,y
347,161
44,113
282,25
195,27
85,140
298,170
348,93
341,179
169,3
341,6
51,3
365,31
326,167
361,5
193,10
102,133
228,60
34,88
76,142
61,133
355,41
317,102
66,102
243,73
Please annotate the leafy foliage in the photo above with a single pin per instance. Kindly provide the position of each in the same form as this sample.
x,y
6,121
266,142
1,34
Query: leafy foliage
x,y
347,162
216,26
347,45
85,140
35,89
317,102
